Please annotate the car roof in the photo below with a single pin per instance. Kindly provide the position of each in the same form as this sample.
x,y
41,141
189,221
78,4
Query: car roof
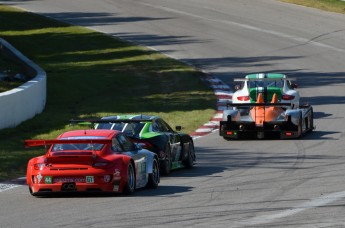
x,y
107,134
265,75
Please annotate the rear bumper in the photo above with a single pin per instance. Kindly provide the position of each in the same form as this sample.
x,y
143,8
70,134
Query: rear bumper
x,y
42,189
41,183
238,130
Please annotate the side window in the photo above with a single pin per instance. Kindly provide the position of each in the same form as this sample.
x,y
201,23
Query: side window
x,y
165,127
125,143
116,146
155,126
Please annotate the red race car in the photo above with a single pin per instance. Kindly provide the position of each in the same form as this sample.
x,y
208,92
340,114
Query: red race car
x,y
91,161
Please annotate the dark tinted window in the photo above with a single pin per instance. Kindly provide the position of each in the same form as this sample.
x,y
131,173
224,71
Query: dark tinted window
x,y
133,129
155,126
116,146
111,126
164,127
253,84
125,142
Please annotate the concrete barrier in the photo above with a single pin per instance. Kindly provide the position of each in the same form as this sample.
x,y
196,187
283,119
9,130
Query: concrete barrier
x,y
27,100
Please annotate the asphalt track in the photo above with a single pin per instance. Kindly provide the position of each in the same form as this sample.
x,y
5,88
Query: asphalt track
x,y
254,183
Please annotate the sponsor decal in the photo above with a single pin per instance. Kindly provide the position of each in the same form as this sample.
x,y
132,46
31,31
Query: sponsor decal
x,y
117,172
69,179
106,178
90,179
116,188
48,179
39,178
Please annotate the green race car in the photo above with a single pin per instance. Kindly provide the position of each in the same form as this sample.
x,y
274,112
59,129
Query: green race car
x,y
174,149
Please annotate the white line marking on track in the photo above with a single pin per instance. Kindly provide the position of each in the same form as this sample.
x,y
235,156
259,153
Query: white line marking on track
x,y
5,187
320,201
250,27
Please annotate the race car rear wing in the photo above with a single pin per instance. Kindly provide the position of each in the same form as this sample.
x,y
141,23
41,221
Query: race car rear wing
x,y
95,121
257,104
41,142
263,79
249,105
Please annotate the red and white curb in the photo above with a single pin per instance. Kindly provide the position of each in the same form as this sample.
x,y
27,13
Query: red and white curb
x,y
224,95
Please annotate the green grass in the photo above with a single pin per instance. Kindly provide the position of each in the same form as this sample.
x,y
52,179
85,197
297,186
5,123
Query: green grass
x,y
336,6
8,68
90,74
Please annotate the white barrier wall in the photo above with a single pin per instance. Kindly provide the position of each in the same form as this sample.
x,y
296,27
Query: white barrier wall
x,y
24,102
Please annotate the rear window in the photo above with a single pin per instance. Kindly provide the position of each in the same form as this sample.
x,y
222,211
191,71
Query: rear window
x,y
133,129
254,84
111,126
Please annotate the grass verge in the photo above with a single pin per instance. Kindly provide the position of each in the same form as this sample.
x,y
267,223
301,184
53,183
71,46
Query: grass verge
x,y
90,74
336,6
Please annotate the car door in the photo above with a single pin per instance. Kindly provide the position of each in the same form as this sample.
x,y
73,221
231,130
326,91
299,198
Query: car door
x,y
140,159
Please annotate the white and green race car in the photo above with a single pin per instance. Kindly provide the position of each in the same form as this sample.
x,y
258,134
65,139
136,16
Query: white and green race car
x,y
267,84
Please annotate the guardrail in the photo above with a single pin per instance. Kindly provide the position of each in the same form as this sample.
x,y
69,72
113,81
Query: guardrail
x,y
27,100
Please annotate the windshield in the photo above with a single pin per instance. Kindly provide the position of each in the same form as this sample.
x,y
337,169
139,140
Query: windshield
x,y
254,84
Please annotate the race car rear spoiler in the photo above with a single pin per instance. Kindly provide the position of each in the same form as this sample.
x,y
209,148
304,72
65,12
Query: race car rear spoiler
x,y
263,79
93,121
41,142
258,104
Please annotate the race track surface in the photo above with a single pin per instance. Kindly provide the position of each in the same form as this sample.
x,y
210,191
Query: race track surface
x,y
251,183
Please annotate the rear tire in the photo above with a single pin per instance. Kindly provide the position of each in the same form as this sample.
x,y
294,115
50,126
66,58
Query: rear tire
x,y
166,164
154,177
300,127
31,192
130,184
311,120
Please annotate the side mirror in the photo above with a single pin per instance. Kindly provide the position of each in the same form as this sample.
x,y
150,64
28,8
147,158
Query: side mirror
x,y
178,128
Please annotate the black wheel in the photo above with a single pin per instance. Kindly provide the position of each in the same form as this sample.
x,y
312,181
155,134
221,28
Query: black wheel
x,y
154,177
130,184
189,161
166,164
311,122
31,192
300,130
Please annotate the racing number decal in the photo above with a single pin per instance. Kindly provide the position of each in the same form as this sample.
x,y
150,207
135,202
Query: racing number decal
x,y
90,179
48,179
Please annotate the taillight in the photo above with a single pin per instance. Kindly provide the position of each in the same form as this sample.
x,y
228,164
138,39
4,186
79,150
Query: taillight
x,y
288,97
39,166
243,98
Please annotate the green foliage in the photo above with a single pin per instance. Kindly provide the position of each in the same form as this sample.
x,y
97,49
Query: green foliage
x,y
337,6
90,74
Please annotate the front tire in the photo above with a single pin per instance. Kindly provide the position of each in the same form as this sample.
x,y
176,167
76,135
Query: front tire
x,y
189,162
130,183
